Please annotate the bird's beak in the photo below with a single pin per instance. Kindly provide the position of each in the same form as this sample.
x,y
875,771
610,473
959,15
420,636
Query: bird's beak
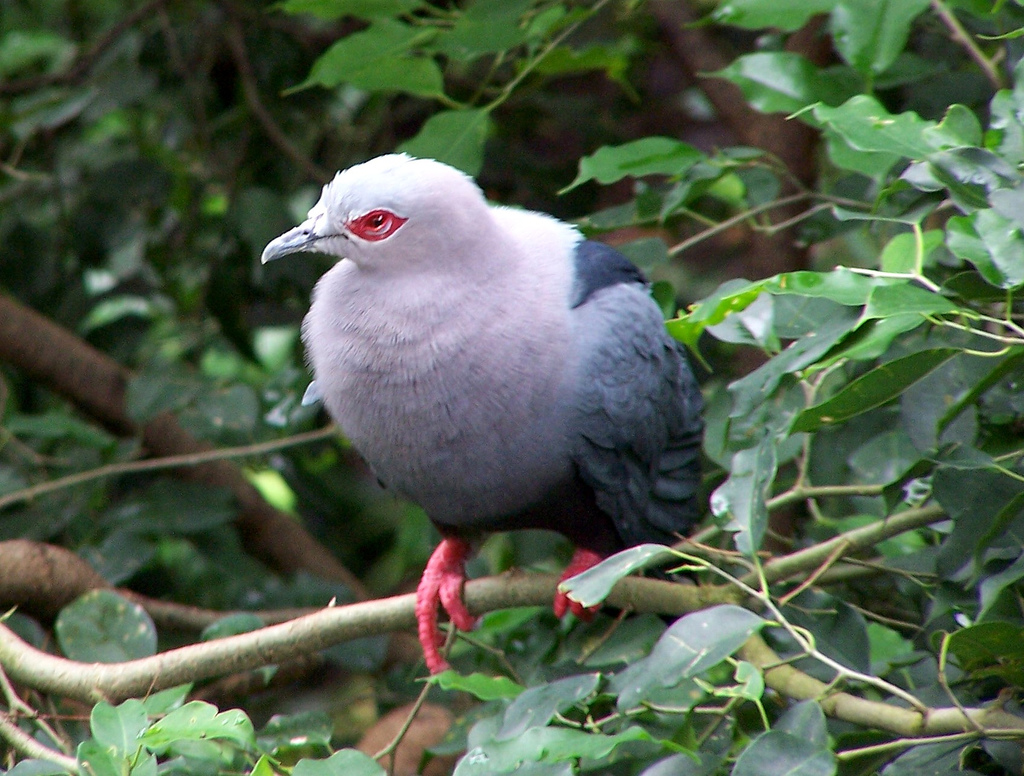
x,y
301,238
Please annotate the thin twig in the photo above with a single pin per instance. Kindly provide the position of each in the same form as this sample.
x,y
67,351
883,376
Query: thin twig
x,y
251,95
167,462
24,743
961,36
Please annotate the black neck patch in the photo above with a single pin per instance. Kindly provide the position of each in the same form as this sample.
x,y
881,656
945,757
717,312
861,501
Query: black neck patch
x,y
599,266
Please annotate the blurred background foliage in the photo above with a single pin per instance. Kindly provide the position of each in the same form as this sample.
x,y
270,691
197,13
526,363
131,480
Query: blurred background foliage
x,y
737,151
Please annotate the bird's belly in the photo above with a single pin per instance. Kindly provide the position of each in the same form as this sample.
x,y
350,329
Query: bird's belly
x,y
468,449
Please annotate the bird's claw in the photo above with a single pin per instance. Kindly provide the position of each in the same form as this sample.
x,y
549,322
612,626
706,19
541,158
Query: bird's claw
x,y
441,585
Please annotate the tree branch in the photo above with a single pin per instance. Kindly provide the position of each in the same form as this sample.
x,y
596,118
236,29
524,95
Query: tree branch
x,y
91,682
53,356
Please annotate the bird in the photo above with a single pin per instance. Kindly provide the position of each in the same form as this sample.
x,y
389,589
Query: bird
x,y
501,371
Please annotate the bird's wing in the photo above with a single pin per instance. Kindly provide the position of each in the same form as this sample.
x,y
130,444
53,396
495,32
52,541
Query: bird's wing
x,y
637,414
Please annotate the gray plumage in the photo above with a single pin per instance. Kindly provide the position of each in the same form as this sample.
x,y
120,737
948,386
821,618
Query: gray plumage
x,y
495,368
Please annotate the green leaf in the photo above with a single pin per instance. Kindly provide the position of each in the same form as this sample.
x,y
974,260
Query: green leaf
x,y
97,760
54,424
486,27
783,82
304,729
30,767
742,498
543,745
149,395
102,627
884,458
829,325
690,646
163,701
992,243
563,60
840,285
483,687
787,15
903,254
902,299
119,727
380,58
455,137
778,753
865,124
329,10
346,762
872,389
647,156
198,721
805,720
730,297
870,34
990,649
173,506
593,585
536,706
232,625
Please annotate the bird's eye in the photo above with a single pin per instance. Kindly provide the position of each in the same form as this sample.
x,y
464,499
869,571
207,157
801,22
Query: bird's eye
x,y
376,225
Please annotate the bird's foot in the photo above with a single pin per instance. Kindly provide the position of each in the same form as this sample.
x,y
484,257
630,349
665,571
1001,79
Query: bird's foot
x,y
441,584
581,561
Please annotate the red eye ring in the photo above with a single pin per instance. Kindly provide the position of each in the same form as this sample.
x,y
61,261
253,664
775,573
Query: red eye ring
x,y
376,225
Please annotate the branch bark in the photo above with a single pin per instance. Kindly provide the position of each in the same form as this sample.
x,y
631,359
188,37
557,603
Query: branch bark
x,y
96,383
115,682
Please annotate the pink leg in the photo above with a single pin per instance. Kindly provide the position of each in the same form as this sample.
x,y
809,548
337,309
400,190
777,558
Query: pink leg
x,y
581,561
441,583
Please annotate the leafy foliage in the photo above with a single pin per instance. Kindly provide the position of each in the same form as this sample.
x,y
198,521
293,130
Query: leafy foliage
x,y
860,567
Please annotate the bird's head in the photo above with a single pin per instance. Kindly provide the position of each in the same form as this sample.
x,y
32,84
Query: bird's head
x,y
393,211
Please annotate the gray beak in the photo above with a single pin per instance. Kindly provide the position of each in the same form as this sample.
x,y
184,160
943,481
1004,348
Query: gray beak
x,y
301,238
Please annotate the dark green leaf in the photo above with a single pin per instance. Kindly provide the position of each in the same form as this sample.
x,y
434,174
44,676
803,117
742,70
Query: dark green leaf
x,y
884,458
54,424
990,648
29,767
805,720
690,646
232,625
873,389
536,706
742,498
455,137
102,627
307,728
778,753
173,506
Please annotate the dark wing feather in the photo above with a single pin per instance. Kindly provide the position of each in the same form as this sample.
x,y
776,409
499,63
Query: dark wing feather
x,y
638,427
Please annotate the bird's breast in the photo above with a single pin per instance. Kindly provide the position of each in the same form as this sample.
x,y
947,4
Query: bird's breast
x,y
460,410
